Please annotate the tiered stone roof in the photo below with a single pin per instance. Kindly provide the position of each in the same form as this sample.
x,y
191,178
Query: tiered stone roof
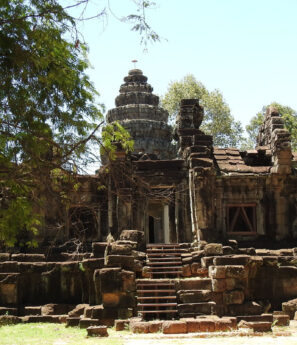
x,y
137,110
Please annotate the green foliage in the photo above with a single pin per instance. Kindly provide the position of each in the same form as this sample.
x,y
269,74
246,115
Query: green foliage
x,y
47,109
217,116
288,114
114,135
48,113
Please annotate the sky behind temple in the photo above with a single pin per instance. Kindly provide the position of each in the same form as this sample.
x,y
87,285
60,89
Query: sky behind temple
x,y
245,48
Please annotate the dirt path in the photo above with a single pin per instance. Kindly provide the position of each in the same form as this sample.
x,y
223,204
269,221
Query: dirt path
x,y
262,340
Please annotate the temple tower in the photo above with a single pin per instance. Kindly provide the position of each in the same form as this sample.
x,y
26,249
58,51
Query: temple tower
x,y
137,110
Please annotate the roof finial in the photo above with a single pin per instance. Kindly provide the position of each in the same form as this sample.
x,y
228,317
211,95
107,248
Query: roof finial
x,y
134,61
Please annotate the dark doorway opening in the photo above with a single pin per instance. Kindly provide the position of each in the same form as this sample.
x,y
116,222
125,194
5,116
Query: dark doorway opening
x,y
151,230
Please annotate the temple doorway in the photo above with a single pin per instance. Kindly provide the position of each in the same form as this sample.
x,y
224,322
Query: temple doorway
x,y
158,223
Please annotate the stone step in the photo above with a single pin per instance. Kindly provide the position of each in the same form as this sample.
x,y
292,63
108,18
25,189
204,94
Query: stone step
x,y
164,259
201,308
87,322
194,284
168,272
158,263
143,298
169,250
144,305
173,267
162,245
155,291
162,255
154,282
158,311
8,311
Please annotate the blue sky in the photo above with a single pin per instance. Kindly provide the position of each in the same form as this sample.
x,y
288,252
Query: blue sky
x,y
246,49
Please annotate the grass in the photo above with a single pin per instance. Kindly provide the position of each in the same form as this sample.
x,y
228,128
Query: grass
x,y
58,334
52,334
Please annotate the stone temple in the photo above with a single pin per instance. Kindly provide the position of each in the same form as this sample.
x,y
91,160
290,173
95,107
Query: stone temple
x,y
176,229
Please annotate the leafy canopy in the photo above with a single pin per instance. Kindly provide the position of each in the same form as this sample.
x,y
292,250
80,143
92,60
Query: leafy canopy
x,y
288,114
48,111
218,120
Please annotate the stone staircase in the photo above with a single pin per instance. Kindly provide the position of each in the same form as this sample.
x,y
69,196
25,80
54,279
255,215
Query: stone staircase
x,y
164,260
156,296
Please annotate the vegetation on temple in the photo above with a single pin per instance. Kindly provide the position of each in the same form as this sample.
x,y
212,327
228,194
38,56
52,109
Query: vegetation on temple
x,y
218,120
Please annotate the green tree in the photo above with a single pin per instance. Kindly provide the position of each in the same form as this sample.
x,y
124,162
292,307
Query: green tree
x,y
218,120
288,114
48,110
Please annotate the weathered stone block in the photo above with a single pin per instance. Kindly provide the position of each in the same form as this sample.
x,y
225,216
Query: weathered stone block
x,y
123,261
233,297
28,257
72,321
281,320
56,309
195,266
155,326
206,325
98,249
9,267
9,293
218,285
78,310
260,326
194,296
228,250
9,320
97,331
193,325
240,260
290,307
223,325
8,311
4,256
213,249
217,272
194,284
85,323
139,327
133,235
207,261
233,321
119,249
237,272
270,260
174,327
32,310
205,308
231,284
121,325
93,263
186,271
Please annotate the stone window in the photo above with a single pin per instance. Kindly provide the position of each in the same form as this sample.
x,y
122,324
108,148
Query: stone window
x,y
241,219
